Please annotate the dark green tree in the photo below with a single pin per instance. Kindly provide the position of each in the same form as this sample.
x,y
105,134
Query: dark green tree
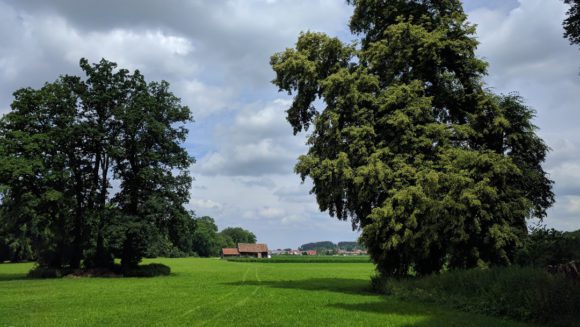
x,y
572,22
318,246
226,241
349,246
206,241
410,145
238,235
61,148
36,175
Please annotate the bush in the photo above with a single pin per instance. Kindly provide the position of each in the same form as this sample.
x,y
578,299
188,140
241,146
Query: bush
x,y
45,272
150,270
526,294
378,284
545,247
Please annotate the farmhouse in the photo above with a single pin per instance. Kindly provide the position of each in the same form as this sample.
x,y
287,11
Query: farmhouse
x,y
230,252
246,250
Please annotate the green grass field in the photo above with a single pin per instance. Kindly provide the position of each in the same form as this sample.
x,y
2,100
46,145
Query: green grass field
x,y
306,259
212,292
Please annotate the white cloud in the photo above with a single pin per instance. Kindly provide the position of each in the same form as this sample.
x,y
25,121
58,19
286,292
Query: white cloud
x,y
572,204
204,99
264,213
259,142
151,50
527,54
294,219
205,204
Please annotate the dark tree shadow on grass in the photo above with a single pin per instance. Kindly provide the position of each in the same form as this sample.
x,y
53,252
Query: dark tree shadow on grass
x,y
427,314
9,277
340,285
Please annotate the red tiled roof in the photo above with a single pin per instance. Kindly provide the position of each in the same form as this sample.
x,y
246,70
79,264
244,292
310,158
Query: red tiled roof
x,y
252,248
230,251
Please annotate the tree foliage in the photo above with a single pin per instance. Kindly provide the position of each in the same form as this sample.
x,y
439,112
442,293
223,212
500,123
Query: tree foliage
x,y
350,246
206,241
410,145
64,146
572,22
318,246
238,235
545,247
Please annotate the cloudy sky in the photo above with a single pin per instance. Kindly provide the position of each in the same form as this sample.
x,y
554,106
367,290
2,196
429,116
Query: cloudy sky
x,y
216,55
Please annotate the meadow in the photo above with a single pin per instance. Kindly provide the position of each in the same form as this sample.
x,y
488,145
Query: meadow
x,y
306,259
214,292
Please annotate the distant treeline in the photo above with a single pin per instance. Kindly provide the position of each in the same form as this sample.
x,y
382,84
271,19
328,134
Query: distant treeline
x,y
330,246
200,237
305,259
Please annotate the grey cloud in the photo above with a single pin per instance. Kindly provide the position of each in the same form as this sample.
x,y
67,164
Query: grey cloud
x,y
563,165
565,215
264,182
236,37
257,143
528,54
298,194
227,43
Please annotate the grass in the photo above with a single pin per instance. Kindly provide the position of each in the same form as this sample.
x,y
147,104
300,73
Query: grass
x,y
213,292
305,259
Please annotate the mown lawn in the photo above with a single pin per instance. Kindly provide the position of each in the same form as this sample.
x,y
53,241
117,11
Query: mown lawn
x,y
212,292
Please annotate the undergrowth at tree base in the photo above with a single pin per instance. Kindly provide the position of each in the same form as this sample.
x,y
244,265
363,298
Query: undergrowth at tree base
x,y
149,270
526,294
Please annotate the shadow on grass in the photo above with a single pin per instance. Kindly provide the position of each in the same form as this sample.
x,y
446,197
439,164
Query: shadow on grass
x,y
9,277
418,314
426,314
341,285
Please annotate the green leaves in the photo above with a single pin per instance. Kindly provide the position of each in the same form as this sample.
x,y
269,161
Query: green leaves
x,y
63,146
572,22
409,145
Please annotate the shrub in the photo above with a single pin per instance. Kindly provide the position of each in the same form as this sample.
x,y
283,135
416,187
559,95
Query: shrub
x,y
45,272
378,284
150,270
545,247
521,293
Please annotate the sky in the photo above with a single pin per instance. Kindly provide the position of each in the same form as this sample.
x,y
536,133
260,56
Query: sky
x,y
215,54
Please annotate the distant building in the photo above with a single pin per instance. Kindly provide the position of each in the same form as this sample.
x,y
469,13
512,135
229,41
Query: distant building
x,y
310,252
230,252
246,250
353,252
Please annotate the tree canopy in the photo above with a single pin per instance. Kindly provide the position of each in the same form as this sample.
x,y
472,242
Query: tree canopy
x,y
572,22
92,169
238,235
318,246
409,143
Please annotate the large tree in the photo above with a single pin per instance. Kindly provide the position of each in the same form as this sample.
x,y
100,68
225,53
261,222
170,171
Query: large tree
x,y
409,144
64,146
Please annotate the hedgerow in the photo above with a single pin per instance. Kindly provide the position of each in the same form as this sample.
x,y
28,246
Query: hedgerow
x,y
526,294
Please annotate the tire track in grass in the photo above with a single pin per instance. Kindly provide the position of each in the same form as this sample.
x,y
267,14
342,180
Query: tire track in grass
x,y
237,304
218,300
